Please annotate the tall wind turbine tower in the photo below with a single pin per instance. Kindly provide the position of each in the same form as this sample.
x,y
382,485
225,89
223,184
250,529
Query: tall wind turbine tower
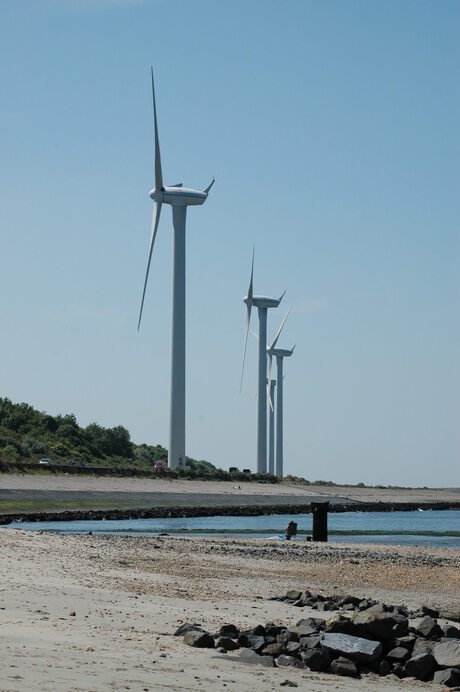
x,y
279,354
271,428
262,303
179,198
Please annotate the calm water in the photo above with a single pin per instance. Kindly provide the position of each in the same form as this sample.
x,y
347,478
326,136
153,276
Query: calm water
x,y
430,528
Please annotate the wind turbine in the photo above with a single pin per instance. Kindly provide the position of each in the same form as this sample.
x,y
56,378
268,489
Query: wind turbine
x,y
279,354
262,303
271,428
179,198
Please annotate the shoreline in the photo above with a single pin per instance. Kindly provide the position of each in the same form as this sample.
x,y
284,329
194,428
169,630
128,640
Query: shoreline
x,y
188,511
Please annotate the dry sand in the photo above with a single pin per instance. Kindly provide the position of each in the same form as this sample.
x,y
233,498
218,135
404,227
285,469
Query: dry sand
x,y
130,593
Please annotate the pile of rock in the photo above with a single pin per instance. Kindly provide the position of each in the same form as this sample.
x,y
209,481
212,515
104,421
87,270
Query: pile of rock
x,y
376,639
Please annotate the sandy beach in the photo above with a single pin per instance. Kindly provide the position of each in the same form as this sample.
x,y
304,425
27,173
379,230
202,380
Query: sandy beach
x,y
99,613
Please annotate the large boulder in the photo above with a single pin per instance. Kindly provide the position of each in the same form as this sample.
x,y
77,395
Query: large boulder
x,y
316,659
428,628
450,677
375,624
447,653
356,648
229,631
227,643
251,641
398,654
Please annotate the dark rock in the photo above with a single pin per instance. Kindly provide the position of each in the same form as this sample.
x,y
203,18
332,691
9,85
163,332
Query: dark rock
x,y
432,612
383,667
399,670
288,636
288,683
343,666
227,643
272,650
311,642
186,627
305,630
229,631
356,648
293,648
447,653
221,650
451,631
258,630
338,623
284,660
202,640
250,656
379,625
273,630
251,641
317,623
421,665
449,677
452,615
72,614
349,600
407,642
398,655
428,628
317,659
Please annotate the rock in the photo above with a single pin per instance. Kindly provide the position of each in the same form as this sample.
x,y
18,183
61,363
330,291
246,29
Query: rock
x,y
379,625
343,666
250,656
338,623
311,642
398,654
72,614
407,642
288,683
421,644
227,643
316,623
293,648
229,631
288,636
452,615
421,665
316,659
251,641
428,628
186,627
293,595
430,611
272,649
199,639
449,677
447,653
273,630
221,650
356,648
384,667
258,630
284,660
399,670
349,600
451,631
304,630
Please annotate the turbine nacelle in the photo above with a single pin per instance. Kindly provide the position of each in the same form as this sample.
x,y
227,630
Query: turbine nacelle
x,y
281,352
178,196
265,302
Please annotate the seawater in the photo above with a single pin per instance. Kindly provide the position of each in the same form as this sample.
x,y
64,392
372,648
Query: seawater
x,y
424,528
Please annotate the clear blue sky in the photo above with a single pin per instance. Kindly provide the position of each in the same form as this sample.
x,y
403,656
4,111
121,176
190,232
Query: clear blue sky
x,y
332,129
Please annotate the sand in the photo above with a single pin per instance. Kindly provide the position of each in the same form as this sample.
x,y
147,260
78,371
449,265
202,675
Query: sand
x,y
130,593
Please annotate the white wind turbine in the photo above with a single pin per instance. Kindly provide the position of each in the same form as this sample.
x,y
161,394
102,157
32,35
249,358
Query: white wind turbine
x,y
279,354
271,428
179,198
262,303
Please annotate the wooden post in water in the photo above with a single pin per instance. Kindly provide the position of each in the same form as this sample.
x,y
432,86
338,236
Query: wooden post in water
x,y
319,511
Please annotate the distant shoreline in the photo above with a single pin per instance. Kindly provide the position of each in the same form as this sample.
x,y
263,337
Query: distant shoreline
x,y
210,511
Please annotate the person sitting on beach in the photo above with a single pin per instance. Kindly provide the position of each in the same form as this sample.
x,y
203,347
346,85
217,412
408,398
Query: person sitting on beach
x,y
290,530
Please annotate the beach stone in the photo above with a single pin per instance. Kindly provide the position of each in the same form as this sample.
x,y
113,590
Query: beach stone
x,y
399,670
337,623
432,612
421,665
450,631
293,648
379,625
407,642
293,595
317,623
421,644
284,660
229,631
311,642
288,683
447,653
452,615
186,627
398,654
343,666
449,677
273,630
356,648
288,636
272,650
227,643
428,628
384,667
304,630
250,656
348,601
251,641
201,640
317,659
221,650
258,630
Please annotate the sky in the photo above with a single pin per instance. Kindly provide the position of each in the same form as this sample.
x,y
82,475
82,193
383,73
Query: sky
x,y
332,131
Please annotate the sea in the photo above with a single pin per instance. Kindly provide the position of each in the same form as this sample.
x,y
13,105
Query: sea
x,y
422,528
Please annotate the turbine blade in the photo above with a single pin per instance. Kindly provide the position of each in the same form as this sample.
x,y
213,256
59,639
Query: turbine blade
x,y
269,381
273,344
282,296
206,189
158,172
248,319
155,221
251,281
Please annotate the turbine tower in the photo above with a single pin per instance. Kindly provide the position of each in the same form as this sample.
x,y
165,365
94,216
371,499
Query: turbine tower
x,y
179,198
271,429
279,354
262,303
